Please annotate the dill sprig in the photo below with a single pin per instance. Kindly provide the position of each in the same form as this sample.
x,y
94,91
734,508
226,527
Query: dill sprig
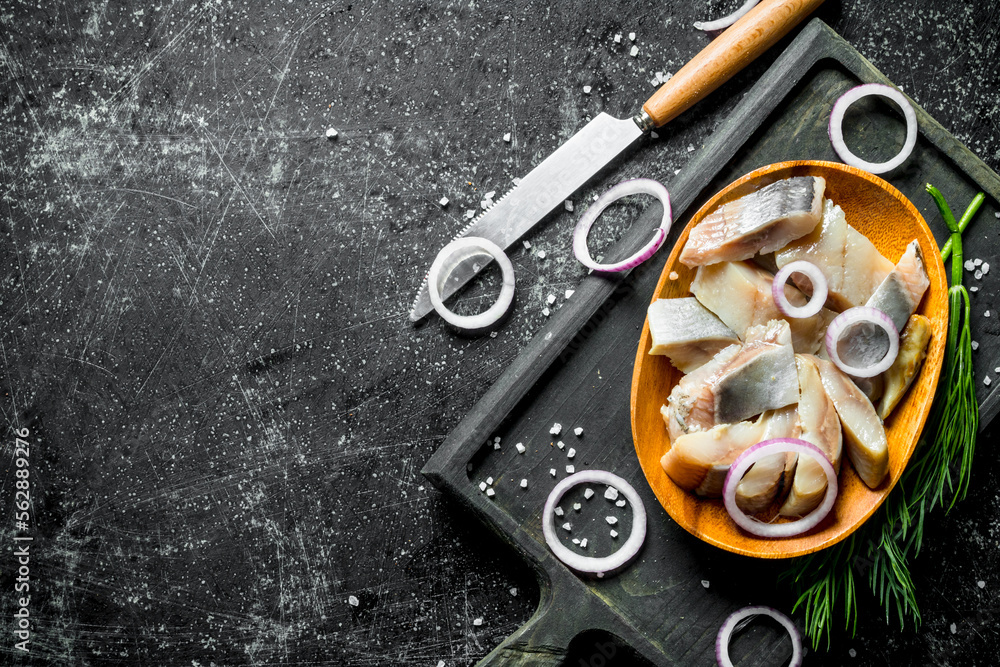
x,y
937,476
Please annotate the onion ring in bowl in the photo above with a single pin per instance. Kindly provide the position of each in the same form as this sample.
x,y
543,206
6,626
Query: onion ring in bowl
x,y
759,451
857,315
591,564
819,289
625,188
836,129
456,252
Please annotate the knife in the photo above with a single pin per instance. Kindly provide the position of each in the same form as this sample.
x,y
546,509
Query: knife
x,y
604,138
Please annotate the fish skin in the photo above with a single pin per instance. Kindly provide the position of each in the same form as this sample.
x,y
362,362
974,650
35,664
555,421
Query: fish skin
x,y
684,412
739,293
852,265
912,351
900,292
864,435
819,425
771,476
686,332
760,222
765,381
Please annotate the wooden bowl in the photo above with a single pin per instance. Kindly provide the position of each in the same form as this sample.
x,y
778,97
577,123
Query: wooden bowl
x,y
890,221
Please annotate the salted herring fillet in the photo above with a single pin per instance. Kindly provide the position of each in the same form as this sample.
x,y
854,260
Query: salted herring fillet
x,y
852,265
760,222
740,294
864,435
912,350
900,293
739,382
772,475
699,461
819,425
686,332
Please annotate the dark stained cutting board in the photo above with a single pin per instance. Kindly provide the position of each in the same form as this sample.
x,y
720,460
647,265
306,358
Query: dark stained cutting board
x,y
578,371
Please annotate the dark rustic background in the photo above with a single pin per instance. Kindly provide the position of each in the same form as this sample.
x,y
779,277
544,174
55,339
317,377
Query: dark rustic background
x,y
204,310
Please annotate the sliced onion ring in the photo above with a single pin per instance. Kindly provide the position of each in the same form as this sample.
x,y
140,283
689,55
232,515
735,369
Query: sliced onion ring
x,y
592,564
756,453
625,188
819,289
456,252
726,631
857,315
836,129
726,21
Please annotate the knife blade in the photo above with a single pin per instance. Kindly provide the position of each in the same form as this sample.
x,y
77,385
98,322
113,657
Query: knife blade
x,y
604,138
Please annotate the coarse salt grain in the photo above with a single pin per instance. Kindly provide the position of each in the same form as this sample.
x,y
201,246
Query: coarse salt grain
x,y
506,137
524,483
588,494
560,444
583,543
541,254
570,469
520,447
969,265
353,601
975,345
577,507
552,471
567,526
546,312
331,133
559,511
578,431
634,51
443,202
631,36
569,293
986,314
973,289
482,486
611,493
489,481
496,445
490,492
470,213
513,592
571,453
612,520
556,428
614,534
987,381
978,275
478,622
576,540
526,244
953,628
981,583
618,40
852,653
705,583
550,299
985,268
568,205
621,503
586,90
977,262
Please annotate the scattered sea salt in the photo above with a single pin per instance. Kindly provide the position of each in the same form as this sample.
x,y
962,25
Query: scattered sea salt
x,y
997,369
618,40
987,381
986,314
953,628
611,493
520,447
634,52
981,583
977,262
546,312
986,268
482,486
975,345
578,431
567,526
541,254
586,90
556,428
490,492
478,622
614,534
559,511
621,503
705,583
496,445
489,481
506,137
513,592
560,444
612,520
690,148
526,244
569,293
571,453
331,133
577,507
552,471
550,299
973,289
589,493
443,202
631,36
654,135
524,483
969,265
440,663
576,540
570,469
583,543
486,203
568,205
978,275
353,601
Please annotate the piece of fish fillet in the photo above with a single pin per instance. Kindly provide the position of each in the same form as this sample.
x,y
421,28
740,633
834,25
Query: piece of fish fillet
x,y
739,382
852,265
740,294
686,332
760,222
771,476
819,424
864,434
912,350
900,293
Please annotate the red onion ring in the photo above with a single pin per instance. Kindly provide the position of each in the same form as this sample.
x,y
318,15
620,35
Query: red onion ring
x,y
623,189
593,564
459,250
726,631
836,130
853,316
756,453
726,21
819,289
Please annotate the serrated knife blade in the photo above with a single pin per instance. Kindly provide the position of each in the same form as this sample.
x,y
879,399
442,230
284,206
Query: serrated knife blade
x,y
605,138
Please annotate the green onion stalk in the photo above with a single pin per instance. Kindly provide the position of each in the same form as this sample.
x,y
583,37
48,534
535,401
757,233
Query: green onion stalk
x,y
937,476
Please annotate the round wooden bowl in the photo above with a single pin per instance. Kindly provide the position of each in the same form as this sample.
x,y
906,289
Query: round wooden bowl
x,y
890,221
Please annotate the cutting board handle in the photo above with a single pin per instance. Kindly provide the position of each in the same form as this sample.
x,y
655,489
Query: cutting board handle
x,y
726,55
541,642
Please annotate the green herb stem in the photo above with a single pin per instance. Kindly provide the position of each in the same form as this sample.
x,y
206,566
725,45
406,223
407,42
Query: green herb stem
x,y
963,223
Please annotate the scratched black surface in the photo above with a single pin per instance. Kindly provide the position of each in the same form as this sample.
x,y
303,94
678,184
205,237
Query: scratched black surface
x,y
204,310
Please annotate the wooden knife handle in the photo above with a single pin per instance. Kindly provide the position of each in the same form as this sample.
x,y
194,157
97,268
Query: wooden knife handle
x,y
728,53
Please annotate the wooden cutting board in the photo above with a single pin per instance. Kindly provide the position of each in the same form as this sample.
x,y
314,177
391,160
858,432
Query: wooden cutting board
x,y
668,605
